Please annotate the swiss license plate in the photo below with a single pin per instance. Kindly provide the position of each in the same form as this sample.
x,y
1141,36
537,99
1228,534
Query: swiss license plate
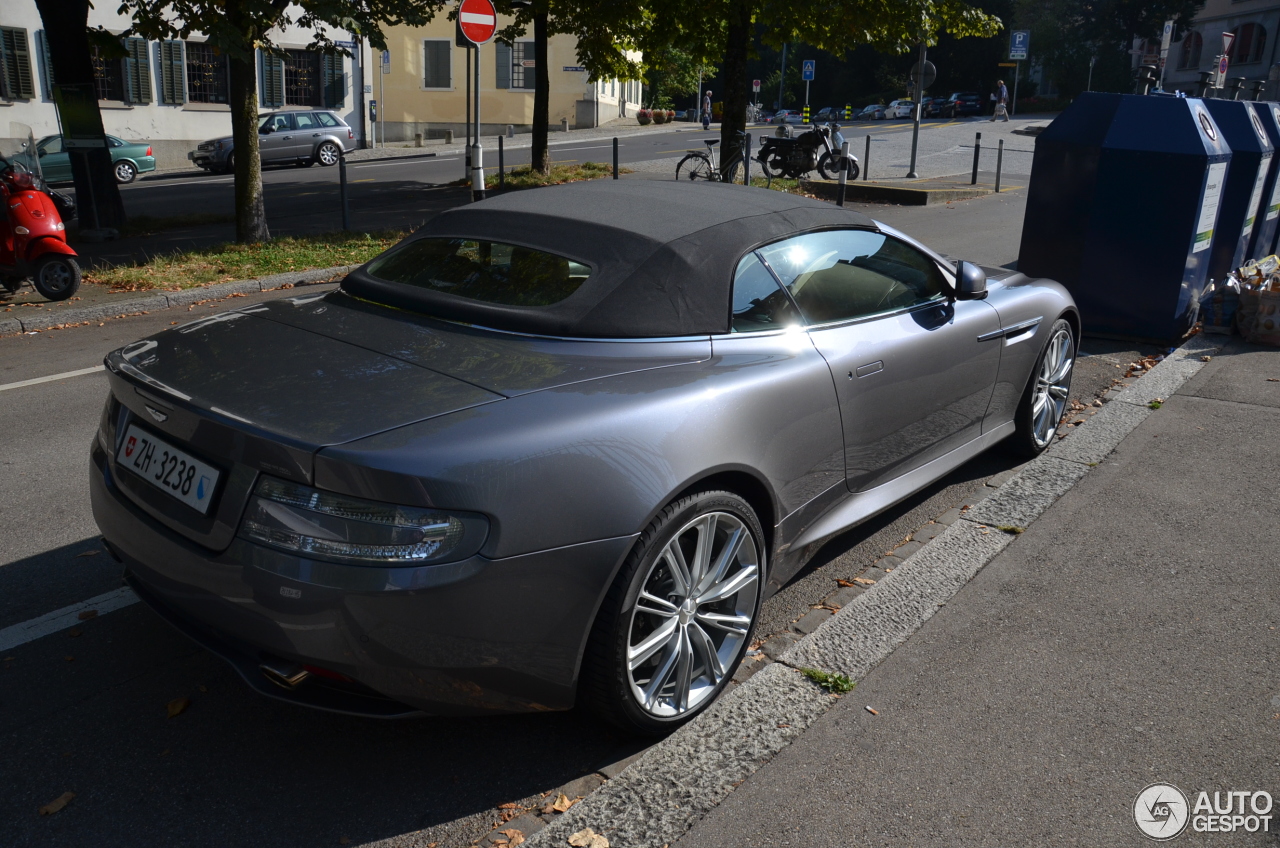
x,y
172,471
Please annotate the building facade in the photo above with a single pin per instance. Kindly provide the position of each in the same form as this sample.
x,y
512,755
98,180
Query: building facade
x,y
171,94
423,87
1256,27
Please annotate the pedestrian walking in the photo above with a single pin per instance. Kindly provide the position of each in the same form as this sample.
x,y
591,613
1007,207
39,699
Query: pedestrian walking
x,y
706,110
1001,97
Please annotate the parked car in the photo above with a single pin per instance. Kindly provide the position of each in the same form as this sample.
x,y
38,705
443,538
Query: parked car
x,y
483,474
874,112
299,138
787,116
826,114
931,107
900,109
128,159
962,104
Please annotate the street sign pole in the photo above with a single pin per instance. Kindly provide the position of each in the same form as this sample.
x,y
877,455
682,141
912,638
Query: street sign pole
x,y
1013,104
915,127
1166,37
478,21
477,153
782,78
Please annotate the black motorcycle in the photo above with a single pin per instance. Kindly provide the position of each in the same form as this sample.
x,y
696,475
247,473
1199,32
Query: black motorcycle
x,y
819,148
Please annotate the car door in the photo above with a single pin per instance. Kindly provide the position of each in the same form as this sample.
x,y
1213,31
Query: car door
x,y
307,132
279,143
55,163
912,379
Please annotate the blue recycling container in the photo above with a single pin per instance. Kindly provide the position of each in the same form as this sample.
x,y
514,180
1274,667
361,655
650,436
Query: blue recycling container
x,y
1121,209
1267,228
1251,155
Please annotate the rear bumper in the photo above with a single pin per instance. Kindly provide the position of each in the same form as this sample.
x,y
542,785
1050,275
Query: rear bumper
x,y
477,636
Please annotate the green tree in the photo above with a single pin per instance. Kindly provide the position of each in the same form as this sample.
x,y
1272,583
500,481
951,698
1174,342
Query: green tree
x,y
605,32
727,28
1067,34
670,72
239,27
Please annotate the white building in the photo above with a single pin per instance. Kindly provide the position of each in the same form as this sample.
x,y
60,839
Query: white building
x,y
1256,27
172,94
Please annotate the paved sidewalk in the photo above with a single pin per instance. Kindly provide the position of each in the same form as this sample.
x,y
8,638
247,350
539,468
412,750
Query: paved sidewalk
x,y
1128,637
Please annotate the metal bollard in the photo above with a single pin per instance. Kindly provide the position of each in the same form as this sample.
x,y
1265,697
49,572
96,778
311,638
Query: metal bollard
x,y
511,131
866,160
999,158
977,148
448,136
417,139
844,172
615,158
342,189
502,171
564,125
746,162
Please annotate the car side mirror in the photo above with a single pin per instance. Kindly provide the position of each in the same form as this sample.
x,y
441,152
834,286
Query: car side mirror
x,y
41,153
971,282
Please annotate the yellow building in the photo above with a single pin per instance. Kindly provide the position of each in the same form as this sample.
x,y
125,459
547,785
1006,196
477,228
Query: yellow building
x,y
424,88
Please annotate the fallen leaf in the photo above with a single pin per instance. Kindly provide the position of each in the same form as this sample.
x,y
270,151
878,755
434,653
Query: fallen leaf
x,y
508,806
343,840
845,583
69,658
74,632
57,804
560,804
1273,379
202,688
177,706
514,836
88,553
85,615
783,725
588,838
865,581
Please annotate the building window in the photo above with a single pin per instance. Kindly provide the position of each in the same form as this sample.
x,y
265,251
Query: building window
x,y
208,79
1251,40
16,82
108,75
523,65
302,78
1191,47
436,70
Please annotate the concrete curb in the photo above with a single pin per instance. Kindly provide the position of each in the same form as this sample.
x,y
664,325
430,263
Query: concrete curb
x,y
43,319
671,786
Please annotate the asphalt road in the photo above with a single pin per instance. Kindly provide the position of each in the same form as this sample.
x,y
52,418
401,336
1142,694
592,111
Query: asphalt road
x,y
84,710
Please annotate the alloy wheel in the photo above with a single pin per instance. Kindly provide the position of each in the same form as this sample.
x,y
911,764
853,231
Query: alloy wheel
x,y
327,154
125,172
1053,383
693,615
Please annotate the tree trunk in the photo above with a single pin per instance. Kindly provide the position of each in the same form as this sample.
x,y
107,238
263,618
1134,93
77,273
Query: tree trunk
x,y
541,156
737,92
66,24
251,215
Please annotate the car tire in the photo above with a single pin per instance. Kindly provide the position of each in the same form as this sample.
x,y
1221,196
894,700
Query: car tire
x,y
56,276
229,167
328,154
1048,391
125,171
653,661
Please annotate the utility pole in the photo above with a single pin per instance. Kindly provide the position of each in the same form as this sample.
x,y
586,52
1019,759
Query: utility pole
x,y
782,80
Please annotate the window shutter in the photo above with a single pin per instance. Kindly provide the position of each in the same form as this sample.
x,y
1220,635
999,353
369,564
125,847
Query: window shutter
x,y
334,80
172,73
272,77
15,65
502,54
46,64
137,71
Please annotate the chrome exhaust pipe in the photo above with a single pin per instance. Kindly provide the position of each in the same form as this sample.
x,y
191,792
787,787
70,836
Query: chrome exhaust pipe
x,y
284,674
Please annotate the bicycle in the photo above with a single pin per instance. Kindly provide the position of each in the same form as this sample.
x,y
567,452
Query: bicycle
x,y
703,166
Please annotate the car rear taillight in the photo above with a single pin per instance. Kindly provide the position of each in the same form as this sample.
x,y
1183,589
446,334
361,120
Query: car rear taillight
x,y
351,133
148,150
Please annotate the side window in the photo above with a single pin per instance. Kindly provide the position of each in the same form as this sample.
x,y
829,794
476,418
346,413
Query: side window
x,y
758,302
282,122
53,145
843,274
326,120
305,121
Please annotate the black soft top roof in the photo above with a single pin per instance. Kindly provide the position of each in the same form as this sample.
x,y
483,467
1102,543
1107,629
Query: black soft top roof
x,y
662,254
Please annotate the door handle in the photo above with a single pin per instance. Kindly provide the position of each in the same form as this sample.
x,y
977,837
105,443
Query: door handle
x,y
288,138
870,368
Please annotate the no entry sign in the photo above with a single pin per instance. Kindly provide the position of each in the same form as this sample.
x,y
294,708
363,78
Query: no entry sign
x,y
478,20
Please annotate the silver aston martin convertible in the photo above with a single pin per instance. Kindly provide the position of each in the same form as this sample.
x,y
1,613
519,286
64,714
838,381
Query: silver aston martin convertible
x,y
557,446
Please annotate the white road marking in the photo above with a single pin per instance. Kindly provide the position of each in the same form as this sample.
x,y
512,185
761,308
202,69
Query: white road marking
x,y
426,160
36,628
51,378
560,148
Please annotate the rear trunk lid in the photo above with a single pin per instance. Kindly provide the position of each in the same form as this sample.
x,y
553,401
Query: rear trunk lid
x,y
248,396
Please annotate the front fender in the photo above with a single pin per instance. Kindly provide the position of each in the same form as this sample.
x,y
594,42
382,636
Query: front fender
x,y
48,244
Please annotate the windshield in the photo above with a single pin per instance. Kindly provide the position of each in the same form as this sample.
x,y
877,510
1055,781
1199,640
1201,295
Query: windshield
x,y
18,149
485,271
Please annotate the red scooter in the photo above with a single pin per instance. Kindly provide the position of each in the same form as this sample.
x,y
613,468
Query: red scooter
x,y
33,238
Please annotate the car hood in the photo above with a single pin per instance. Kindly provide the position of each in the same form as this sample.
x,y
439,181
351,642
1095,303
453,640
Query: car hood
x,y
506,364
225,139
297,388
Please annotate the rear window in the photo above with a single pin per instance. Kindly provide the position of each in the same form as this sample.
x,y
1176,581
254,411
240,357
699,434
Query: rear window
x,y
485,271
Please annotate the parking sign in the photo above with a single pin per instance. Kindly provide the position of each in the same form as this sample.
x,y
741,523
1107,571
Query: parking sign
x,y
806,70
1019,44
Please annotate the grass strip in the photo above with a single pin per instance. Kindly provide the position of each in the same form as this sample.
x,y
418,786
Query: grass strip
x,y
225,262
